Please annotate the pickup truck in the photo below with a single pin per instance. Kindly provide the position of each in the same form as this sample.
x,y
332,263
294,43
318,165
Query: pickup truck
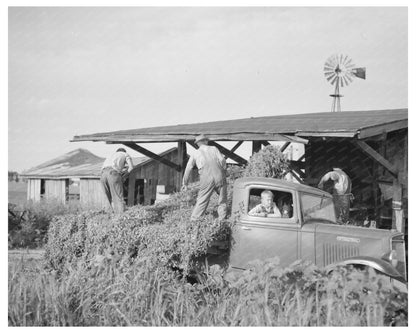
x,y
307,230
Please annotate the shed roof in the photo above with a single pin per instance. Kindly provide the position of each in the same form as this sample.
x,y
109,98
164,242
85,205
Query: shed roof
x,y
275,128
79,163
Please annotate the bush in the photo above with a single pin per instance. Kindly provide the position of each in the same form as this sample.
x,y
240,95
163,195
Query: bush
x,y
267,162
28,225
162,231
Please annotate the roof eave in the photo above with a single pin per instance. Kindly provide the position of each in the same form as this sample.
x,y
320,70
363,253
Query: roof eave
x,y
155,138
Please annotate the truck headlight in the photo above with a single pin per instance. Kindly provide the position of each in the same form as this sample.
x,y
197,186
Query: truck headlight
x,y
397,255
393,258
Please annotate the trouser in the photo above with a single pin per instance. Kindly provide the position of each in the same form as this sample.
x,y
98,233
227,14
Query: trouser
x,y
342,207
113,188
205,191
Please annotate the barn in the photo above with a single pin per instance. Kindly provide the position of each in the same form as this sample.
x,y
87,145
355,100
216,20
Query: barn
x,y
75,176
371,146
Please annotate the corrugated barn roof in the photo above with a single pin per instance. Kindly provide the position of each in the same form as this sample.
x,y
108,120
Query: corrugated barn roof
x,y
79,163
339,124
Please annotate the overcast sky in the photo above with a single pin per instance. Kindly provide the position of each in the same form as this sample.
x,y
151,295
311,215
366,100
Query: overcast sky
x,y
85,70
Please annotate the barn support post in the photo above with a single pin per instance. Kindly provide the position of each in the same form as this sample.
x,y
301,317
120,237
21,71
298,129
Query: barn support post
x,y
229,154
283,148
308,165
376,157
397,215
398,218
256,146
182,160
238,144
130,192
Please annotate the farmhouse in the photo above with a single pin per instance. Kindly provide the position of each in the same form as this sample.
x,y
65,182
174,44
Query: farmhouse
x,y
370,146
76,176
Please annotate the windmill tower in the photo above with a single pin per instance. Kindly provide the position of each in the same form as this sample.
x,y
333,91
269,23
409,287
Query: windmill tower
x,y
339,71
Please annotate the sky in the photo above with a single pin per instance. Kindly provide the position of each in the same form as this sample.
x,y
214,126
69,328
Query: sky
x,y
74,71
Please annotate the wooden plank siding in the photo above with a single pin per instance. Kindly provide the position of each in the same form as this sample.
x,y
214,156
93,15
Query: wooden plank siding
x,y
33,189
56,189
155,173
91,193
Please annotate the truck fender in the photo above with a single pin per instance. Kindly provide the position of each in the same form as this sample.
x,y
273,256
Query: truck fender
x,y
376,263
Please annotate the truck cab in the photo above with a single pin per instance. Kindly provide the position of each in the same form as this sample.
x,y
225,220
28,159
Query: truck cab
x,y
306,228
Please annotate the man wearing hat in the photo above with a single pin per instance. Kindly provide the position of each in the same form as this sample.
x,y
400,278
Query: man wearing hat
x,y
211,167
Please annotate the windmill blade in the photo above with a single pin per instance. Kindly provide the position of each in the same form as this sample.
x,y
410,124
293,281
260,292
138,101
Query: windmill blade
x,y
337,59
348,62
345,61
342,81
346,81
332,61
329,78
329,68
329,64
359,72
329,74
349,77
335,78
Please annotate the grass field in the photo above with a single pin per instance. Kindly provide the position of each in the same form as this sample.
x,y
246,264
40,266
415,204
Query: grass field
x,y
17,192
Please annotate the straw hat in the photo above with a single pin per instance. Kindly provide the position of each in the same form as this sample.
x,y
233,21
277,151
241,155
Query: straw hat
x,y
201,137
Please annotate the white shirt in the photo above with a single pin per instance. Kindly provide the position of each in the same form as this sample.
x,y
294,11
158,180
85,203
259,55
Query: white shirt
x,y
340,178
261,209
118,161
198,159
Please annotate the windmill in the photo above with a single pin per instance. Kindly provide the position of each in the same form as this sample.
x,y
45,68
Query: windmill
x,y
339,70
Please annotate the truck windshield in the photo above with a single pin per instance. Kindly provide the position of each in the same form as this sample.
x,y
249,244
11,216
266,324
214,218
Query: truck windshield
x,y
317,207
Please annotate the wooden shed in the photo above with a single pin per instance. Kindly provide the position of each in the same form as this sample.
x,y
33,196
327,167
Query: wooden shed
x,y
51,180
371,146
81,170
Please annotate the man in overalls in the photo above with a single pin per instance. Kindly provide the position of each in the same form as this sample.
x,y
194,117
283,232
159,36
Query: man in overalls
x,y
341,192
112,178
212,171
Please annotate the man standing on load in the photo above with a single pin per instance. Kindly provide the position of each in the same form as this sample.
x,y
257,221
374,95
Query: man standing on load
x,y
112,173
212,171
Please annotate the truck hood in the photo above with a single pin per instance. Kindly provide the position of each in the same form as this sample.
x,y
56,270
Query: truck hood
x,y
346,230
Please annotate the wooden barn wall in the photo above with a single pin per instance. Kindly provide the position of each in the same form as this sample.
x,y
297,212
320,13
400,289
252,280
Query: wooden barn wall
x,y
33,189
156,173
91,193
56,189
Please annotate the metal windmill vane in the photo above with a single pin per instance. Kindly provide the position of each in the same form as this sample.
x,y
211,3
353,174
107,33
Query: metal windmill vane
x,y
339,70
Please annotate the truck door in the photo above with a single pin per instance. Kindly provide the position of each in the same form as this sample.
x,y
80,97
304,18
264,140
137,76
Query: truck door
x,y
268,236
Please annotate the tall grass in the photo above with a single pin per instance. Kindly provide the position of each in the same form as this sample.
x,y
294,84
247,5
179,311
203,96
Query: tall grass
x,y
113,292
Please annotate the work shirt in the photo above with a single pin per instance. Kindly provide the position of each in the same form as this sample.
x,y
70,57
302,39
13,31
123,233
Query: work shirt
x,y
341,181
118,161
209,161
261,209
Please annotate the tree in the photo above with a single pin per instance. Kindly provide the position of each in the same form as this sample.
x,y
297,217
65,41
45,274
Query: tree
x,y
13,176
268,162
